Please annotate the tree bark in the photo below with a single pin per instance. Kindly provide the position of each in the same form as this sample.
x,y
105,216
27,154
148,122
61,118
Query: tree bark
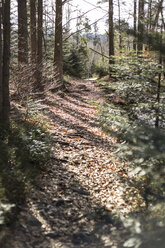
x,y
111,36
140,25
58,56
159,8
22,33
6,61
120,38
39,42
134,24
157,121
1,59
33,42
149,24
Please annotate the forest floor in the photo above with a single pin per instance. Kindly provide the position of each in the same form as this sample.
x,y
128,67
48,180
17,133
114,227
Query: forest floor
x,y
80,198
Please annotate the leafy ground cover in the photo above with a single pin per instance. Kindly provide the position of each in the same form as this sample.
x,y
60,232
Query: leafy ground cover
x,y
131,114
25,148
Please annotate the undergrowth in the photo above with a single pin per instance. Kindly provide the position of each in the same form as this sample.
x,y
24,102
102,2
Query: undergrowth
x,y
130,114
25,150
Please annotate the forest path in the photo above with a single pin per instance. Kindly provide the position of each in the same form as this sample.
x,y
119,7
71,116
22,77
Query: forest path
x,y
74,203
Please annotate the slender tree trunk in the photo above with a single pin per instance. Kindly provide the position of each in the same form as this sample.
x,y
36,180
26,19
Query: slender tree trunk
x,y
163,30
157,121
149,25
33,43
45,28
111,36
77,29
39,42
120,38
22,33
140,25
6,61
1,59
58,56
159,8
68,17
134,24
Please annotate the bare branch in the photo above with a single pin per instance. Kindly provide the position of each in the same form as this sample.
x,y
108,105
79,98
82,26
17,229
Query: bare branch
x,y
78,16
99,53
84,27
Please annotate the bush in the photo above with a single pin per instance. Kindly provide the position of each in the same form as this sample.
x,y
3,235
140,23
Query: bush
x,y
101,70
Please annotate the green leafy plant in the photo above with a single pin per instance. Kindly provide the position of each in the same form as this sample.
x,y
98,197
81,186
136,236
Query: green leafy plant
x,y
25,149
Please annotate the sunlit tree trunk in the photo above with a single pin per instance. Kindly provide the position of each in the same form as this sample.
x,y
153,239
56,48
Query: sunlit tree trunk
x,y
111,36
58,56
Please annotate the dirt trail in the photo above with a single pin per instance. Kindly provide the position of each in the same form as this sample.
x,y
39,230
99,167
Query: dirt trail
x,y
74,202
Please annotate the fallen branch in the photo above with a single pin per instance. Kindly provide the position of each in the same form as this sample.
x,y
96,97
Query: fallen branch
x,y
99,53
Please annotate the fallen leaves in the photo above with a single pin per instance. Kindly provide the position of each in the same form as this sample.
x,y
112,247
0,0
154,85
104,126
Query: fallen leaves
x,y
84,174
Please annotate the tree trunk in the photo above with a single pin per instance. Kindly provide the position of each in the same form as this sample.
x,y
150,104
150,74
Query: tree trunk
x,y
140,25
134,24
33,30
111,36
1,59
6,61
58,56
22,33
157,121
159,8
39,42
149,24
120,38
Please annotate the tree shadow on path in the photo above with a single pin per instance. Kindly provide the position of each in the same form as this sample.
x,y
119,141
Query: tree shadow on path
x,y
64,214
61,212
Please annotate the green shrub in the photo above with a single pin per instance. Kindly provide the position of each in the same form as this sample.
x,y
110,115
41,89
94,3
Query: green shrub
x,y
25,148
101,70
130,114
